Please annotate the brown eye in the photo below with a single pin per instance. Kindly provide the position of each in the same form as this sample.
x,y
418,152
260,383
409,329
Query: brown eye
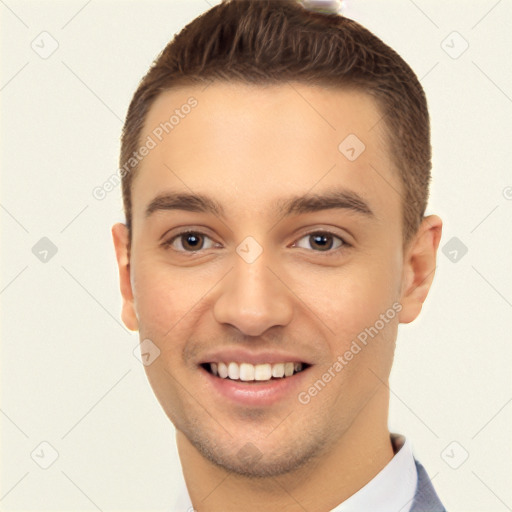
x,y
188,241
322,241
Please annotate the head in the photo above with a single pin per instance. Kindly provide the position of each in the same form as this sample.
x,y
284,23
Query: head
x,y
294,149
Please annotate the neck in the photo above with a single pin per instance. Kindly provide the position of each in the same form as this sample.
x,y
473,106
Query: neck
x,y
321,484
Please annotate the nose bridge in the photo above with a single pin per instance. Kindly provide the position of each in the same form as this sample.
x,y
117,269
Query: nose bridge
x,y
252,298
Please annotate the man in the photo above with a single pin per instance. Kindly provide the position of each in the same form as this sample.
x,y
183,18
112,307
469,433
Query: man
x,y
276,164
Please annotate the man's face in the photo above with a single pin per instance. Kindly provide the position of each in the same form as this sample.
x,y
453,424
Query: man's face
x,y
322,277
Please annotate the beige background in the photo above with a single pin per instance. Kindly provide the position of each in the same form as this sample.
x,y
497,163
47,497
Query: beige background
x,y
68,374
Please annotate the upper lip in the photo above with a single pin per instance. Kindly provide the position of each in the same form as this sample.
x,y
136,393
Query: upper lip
x,y
239,355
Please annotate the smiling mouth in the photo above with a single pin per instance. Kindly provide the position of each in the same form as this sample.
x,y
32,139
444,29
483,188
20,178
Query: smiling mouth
x,y
250,373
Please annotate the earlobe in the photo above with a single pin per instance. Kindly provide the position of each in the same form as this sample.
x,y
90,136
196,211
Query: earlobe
x,y
419,268
120,236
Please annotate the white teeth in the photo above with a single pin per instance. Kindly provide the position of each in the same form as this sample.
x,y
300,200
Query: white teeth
x,y
233,371
248,372
262,372
288,369
278,370
223,370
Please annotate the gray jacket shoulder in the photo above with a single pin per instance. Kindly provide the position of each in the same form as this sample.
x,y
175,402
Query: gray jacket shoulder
x,y
426,499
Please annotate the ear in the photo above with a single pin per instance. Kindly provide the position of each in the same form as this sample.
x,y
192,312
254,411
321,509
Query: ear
x,y
419,267
121,244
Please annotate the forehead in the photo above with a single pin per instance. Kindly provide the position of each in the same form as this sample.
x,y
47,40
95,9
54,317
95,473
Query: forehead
x,y
250,145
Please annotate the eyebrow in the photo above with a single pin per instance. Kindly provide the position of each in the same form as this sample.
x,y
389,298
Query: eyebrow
x,y
334,199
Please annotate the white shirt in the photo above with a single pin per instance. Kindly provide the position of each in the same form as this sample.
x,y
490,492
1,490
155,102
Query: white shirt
x,y
391,490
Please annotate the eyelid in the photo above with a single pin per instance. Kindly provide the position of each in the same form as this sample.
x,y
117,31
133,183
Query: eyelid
x,y
185,229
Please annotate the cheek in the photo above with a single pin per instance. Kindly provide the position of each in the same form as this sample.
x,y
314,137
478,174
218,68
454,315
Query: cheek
x,y
164,305
170,301
352,299
161,298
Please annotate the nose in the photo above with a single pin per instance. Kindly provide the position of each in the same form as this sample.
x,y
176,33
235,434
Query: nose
x,y
254,298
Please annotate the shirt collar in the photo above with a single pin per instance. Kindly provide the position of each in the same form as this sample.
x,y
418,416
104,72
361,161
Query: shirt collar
x,y
390,490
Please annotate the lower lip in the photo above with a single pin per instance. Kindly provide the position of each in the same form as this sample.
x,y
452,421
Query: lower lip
x,y
256,393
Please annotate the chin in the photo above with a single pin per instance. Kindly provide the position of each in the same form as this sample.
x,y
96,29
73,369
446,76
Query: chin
x,y
256,459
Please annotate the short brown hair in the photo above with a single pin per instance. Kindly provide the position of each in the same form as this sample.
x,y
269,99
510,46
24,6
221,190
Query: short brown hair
x,y
274,41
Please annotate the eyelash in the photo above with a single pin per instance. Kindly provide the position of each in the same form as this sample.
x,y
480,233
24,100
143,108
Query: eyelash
x,y
331,252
